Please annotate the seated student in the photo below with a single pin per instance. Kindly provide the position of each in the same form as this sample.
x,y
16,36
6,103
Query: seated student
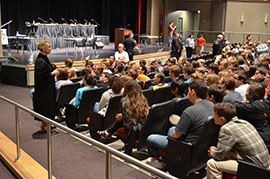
x,y
215,94
241,85
256,111
213,68
196,75
238,139
121,55
187,73
158,80
90,66
159,67
259,76
212,79
134,109
142,77
170,62
116,87
71,69
190,126
84,72
179,88
103,80
174,73
119,70
134,74
90,83
84,63
106,66
62,78
98,69
228,84
112,62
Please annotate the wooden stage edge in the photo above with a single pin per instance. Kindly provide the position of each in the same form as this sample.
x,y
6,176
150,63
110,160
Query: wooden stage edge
x,y
136,58
26,167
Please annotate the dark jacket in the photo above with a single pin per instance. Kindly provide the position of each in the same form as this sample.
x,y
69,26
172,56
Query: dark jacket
x,y
176,45
44,96
257,113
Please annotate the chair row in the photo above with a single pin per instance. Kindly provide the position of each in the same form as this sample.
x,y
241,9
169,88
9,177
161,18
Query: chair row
x,y
157,122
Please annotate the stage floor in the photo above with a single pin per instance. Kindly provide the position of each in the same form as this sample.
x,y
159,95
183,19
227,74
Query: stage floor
x,y
76,54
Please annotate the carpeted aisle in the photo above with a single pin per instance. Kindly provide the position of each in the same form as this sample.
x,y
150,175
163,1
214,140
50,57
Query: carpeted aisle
x,y
71,158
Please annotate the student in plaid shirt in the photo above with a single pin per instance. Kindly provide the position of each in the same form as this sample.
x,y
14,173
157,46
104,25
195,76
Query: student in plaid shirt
x,y
238,139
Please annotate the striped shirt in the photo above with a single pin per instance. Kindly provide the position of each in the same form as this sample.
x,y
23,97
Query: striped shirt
x,y
240,136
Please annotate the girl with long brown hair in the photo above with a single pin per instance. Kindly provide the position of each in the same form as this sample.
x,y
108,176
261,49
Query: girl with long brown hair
x,y
134,109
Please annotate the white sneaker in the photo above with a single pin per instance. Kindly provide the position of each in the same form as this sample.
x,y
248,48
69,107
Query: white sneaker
x,y
155,162
62,111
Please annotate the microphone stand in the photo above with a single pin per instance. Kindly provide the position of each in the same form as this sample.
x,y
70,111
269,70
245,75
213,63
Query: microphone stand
x,y
96,24
42,20
8,25
63,19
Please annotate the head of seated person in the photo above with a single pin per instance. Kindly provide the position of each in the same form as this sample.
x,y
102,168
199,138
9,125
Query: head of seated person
x,y
197,75
159,78
255,91
151,69
212,79
116,84
175,71
223,113
98,69
179,88
215,94
63,74
89,80
69,63
133,73
104,77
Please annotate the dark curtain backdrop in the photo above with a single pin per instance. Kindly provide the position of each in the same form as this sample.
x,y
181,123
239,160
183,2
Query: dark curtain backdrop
x,y
110,14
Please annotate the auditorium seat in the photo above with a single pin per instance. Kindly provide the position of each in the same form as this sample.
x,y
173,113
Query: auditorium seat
x,y
184,158
74,80
141,84
162,94
156,122
98,122
167,79
78,73
151,75
148,83
149,94
65,94
78,116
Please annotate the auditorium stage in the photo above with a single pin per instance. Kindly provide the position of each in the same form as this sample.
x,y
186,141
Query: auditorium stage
x,y
20,72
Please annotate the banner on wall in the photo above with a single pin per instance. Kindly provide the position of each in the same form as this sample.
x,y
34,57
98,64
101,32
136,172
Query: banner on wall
x,y
4,37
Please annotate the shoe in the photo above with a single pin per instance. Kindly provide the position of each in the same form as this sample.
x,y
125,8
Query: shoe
x,y
155,162
104,133
62,111
43,129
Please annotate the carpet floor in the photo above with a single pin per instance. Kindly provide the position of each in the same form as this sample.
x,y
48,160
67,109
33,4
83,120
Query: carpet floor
x,y
71,158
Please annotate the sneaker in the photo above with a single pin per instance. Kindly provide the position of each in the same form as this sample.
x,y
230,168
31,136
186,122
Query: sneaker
x,y
155,162
62,111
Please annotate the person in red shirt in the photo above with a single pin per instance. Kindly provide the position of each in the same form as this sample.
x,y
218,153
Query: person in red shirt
x,y
170,33
200,42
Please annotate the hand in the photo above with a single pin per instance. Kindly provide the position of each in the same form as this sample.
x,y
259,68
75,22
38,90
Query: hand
x,y
140,51
119,117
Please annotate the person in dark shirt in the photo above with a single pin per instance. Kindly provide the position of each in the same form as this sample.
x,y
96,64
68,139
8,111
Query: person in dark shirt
x,y
129,44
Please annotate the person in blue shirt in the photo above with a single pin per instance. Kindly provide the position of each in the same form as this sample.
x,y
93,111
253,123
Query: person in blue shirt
x,y
90,83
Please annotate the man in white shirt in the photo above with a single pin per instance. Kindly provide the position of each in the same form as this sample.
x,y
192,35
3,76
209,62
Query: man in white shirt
x,y
121,55
240,78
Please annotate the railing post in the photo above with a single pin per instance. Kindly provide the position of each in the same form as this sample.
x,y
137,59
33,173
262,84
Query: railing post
x,y
108,165
49,150
17,134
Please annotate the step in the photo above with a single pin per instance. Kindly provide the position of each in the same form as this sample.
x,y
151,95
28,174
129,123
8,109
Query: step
x,y
26,167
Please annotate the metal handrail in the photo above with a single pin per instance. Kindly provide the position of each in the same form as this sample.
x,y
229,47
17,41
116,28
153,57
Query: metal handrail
x,y
109,150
